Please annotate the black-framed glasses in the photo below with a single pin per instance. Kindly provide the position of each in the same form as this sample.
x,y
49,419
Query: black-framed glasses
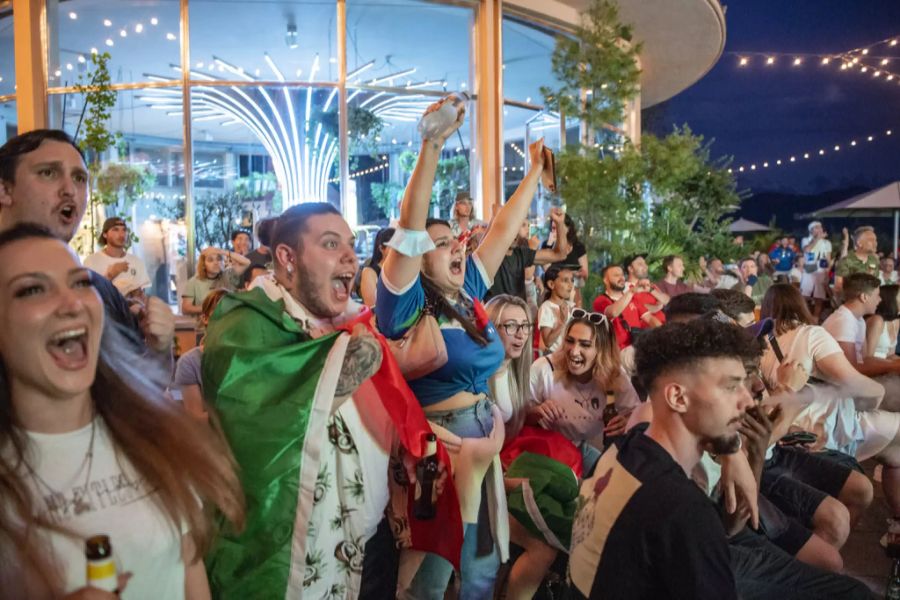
x,y
593,317
513,328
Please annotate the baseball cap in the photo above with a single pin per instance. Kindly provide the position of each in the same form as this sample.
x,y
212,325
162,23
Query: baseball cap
x,y
761,328
110,223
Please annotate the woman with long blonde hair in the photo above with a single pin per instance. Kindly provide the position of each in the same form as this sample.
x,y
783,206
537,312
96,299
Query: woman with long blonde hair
x,y
509,384
90,446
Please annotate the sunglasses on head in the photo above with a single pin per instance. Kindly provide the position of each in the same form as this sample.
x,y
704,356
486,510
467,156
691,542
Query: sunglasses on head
x,y
593,317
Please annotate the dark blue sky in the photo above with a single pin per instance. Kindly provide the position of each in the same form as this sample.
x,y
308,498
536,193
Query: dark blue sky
x,y
758,113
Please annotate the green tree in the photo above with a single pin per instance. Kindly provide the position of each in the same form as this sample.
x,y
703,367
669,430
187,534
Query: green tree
x,y
667,196
99,100
597,68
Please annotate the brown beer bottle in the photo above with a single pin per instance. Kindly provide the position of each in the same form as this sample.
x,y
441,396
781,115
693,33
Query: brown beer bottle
x,y
101,568
426,477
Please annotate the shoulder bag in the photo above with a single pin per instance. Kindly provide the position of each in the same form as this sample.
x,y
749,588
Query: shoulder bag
x,y
422,349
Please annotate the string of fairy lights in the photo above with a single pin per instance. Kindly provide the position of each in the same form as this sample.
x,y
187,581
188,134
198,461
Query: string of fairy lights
x,y
870,60
364,172
793,159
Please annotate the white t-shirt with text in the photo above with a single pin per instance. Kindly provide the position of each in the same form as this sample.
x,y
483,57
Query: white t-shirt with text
x,y
101,262
115,502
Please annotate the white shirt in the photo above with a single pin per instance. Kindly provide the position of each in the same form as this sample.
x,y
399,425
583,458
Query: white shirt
x,y
101,262
844,326
888,279
119,505
583,403
821,249
548,316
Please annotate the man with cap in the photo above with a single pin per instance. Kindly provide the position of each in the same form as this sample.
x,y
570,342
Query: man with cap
x,y
814,281
242,241
112,261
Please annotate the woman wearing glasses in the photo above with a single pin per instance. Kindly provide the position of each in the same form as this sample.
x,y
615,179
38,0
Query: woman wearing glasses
x,y
572,387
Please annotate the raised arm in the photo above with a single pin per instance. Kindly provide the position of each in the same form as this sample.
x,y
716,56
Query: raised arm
x,y
561,247
239,262
506,224
400,269
615,309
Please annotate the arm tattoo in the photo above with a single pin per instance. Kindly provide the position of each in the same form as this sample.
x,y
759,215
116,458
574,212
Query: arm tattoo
x,y
362,360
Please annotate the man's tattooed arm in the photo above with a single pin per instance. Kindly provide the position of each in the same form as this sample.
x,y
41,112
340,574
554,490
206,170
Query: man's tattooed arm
x,y
362,360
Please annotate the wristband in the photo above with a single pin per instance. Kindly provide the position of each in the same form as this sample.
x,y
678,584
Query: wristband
x,y
411,242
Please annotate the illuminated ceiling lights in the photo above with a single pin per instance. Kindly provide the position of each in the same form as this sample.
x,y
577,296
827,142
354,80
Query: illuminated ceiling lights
x,y
806,155
303,152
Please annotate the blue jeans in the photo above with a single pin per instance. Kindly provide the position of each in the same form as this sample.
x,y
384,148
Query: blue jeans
x,y
477,573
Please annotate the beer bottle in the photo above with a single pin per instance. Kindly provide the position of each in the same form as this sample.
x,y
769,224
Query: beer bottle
x,y
892,589
426,477
609,412
101,568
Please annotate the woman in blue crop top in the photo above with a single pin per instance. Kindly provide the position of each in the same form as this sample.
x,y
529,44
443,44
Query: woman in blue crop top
x,y
427,264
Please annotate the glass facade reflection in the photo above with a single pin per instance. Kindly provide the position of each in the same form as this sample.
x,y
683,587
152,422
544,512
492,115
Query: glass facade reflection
x,y
270,105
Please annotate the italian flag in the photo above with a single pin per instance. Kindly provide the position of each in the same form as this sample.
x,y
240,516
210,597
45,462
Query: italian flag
x,y
273,386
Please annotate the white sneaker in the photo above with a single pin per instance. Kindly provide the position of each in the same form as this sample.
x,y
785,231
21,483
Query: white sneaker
x,y
892,535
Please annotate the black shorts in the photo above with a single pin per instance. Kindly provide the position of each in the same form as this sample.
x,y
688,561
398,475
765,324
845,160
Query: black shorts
x,y
780,529
823,474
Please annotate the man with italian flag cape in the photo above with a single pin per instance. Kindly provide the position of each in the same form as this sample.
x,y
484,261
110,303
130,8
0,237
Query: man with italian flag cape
x,y
317,415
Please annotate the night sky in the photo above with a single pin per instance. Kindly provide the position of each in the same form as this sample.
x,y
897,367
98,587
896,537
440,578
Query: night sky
x,y
758,113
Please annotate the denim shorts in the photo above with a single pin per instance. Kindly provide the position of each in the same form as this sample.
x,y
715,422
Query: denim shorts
x,y
476,421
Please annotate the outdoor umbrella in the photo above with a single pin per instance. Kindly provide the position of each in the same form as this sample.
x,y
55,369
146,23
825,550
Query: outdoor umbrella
x,y
877,203
746,226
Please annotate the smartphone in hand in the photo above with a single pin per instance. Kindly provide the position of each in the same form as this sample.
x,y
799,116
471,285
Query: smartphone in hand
x,y
548,177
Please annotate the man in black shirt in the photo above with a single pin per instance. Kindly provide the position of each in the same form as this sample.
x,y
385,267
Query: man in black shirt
x,y
44,180
643,528
510,277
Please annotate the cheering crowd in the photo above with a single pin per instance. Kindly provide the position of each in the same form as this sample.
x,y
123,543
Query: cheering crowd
x,y
680,439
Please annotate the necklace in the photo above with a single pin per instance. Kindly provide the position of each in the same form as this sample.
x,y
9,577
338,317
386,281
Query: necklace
x,y
81,503
586,401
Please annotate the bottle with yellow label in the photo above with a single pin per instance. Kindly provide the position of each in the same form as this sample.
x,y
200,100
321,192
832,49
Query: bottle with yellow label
x,y
101,568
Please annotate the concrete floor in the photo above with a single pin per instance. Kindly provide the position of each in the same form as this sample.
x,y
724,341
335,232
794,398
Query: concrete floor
x,y
864,558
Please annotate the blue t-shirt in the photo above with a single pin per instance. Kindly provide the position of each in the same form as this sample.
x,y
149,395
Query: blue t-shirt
x,y
783,259
469,365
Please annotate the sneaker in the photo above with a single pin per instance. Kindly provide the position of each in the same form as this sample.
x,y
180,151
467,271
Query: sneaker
x,y
892,536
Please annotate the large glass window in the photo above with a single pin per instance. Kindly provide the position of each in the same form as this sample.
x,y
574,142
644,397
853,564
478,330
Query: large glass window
x,y
527,53
141,179
8,120
257,151
265,107
7,55
267,40
402,55
142,36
